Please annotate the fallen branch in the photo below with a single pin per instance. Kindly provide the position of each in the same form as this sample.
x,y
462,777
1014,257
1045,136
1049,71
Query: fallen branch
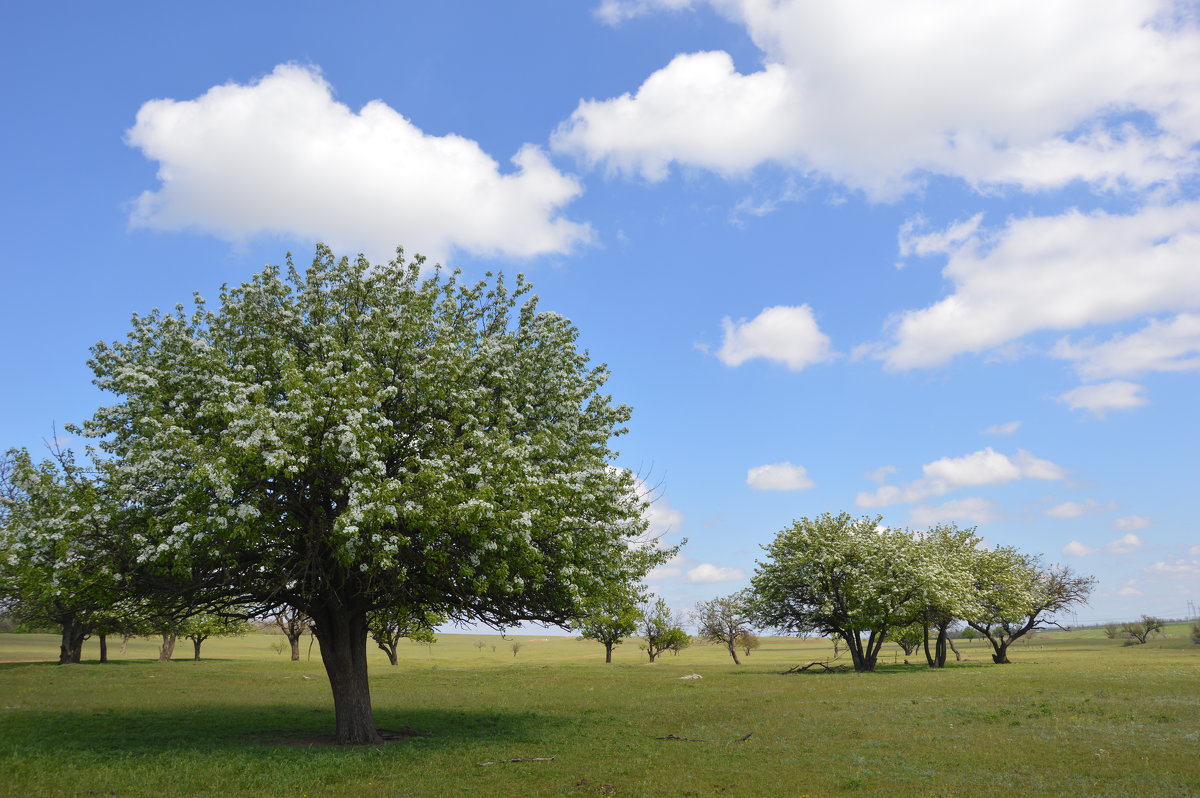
x,y
518,759
741,739
800,669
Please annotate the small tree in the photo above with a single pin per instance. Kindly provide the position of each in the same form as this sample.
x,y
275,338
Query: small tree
x,y
1112,631
724,620
609,621
748,641
909,637
1015,594
293,623
662,629
1196,633
391,625
199,628
1139,631
516,646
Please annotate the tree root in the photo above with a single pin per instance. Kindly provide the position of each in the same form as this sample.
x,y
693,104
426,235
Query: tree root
x,y
802,668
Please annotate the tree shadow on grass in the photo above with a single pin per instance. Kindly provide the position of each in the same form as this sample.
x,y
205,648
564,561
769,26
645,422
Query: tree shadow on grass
x,y
233,727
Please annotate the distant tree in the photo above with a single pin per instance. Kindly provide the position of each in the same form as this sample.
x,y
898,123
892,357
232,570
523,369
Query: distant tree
x,y
56,565
747,642
909,637
480,645
293,623
662,629
609,621
1139,631
1112,631
390,625
968,634
516,646
1015,594
837,575
356,437
1196,633
724,620
199,628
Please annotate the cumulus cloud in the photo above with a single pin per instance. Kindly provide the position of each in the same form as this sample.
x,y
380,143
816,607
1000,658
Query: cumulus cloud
x,y
1176,568
1129,590
1130,523
779,476
881,474
280,156
1007,428
1125,544
984,467
1077,509
787,335
1055,273
662,517
973,510
706,572
1102,397
1023,93
1172,345
1077,549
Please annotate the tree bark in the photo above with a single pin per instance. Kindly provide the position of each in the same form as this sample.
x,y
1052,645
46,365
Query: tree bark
x,y
103,648
295,641
70,651
608,647
733,653
343,636
196,641
1001,655
167,650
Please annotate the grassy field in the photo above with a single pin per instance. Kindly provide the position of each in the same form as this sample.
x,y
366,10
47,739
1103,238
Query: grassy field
x,y
1075,714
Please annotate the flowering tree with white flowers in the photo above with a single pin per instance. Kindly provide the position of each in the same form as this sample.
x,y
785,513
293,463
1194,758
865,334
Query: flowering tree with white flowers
x,y
357,437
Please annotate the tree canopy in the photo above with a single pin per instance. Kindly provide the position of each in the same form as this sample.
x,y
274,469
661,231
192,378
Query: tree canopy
x,y
356,437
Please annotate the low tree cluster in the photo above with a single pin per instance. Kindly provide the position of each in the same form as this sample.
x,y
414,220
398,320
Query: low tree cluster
x,y
859,582
1135,632
662,629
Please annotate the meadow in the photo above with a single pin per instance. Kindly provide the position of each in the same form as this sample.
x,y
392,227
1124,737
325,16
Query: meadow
x,y
1075,714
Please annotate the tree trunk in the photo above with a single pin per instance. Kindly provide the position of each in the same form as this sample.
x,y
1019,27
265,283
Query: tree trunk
x,y
103,647
929,658
343,636
196,641
167,650
940,649
733,653
957,656
608,647
70,651
125,642
391,652
295,641
1001,655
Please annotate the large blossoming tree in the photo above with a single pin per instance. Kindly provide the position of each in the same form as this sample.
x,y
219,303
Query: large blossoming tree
x,y
353,438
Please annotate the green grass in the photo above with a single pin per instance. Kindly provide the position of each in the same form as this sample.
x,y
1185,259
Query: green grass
x,y
1075,714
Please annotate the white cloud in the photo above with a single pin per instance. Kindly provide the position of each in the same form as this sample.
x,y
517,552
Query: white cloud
x,y
1160,346
1077,509
1102,397
1180,568
974,510
984,467
1129,523
1007,428
668,570
787,335
1051,273
881,474
1194,550
1021,92
779,476
1077,549
707,572
1129,590
1124,545
281,156
662,517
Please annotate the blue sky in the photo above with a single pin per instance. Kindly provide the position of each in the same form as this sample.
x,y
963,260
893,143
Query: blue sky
x,y
935,261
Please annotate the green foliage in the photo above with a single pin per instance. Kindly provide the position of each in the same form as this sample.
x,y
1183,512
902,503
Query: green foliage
x,y
662,629
389,625
837,575
1139,631
609,620
1196,633
724,620
360,437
